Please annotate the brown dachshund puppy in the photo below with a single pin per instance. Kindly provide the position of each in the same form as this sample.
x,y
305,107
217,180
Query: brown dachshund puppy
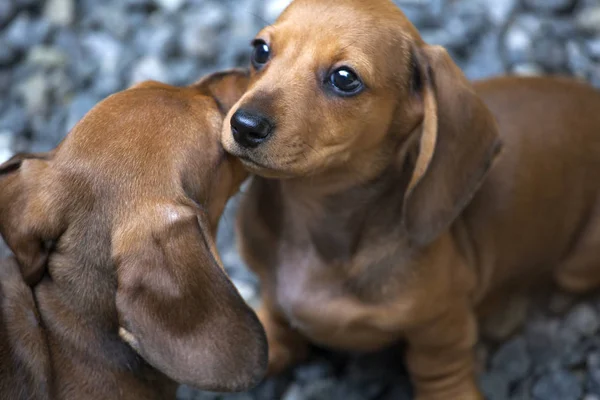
x,y
382,211
117,291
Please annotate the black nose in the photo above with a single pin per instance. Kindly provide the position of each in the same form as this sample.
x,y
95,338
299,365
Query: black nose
x,y
249,128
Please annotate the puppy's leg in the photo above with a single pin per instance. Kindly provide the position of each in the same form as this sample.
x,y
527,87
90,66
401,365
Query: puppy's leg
x,y
441,358
286,345
579,273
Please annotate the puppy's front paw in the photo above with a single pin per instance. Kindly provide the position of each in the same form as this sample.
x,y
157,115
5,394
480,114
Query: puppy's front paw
x,y
286,346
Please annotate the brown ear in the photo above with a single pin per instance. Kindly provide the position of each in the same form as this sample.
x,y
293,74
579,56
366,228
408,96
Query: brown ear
x,y
23,224
225,87
458,143
180,312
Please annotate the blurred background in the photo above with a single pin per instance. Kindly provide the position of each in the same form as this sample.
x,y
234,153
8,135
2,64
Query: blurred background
x,y
60,57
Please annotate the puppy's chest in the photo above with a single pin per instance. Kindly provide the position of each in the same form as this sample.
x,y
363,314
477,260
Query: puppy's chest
x,y
344,293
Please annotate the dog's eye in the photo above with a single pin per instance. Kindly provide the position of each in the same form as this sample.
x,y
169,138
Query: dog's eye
x,y
261,54
345,81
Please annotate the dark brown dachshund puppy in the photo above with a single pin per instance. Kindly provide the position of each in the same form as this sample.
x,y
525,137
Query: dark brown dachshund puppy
x,y
118,291
385,220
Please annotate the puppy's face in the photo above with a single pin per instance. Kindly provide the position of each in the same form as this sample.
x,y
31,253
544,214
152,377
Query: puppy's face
x,y
329,80
138,185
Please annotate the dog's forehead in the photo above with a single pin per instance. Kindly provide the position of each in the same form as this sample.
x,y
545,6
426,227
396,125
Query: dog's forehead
x,y
346,14
323,34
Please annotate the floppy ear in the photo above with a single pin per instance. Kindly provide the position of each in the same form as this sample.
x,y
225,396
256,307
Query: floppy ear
x,y
180,312
24,225
225,87
458,143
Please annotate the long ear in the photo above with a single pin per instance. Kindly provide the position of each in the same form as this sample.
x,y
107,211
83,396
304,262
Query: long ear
x,y
23,223
180,312
225,87
458,143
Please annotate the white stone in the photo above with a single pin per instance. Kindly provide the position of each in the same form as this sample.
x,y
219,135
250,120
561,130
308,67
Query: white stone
x,y
274,8
170,5
5,144
60,12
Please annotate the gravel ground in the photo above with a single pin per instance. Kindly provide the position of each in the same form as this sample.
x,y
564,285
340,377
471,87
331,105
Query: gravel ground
x,y
59,57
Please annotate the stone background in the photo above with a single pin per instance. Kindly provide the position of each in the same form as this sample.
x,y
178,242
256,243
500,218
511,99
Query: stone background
x,y
59,57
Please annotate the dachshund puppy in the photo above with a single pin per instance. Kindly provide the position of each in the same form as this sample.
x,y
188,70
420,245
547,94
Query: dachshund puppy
x,y
117,291
394,200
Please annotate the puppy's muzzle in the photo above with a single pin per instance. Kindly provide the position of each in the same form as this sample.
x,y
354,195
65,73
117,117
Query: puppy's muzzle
x,y
250,129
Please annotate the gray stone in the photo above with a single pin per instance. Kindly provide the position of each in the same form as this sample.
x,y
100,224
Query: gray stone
x,y
7,10
593,369
551,54
46,56
106,84
543,343
499,11
593,46
48,131
105,50
148,68
34,92
81,104
14,119
557,385
588,19
583,320
512,360
519,38
578,59
527,69
273,8
25,31
8,55
485,60
184,71
424,13
495,386
60,12
157,40
171,6
313,371
113,19
551,6
200,32
6,138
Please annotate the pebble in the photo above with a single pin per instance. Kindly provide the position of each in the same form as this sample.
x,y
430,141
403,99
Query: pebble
x,y
34,93
589,19
46,56
6,137
512,360
60,12
171,6
495,386
558,385
7,10
272,9
583,320
499,11
551,6
148,68
24,31
551,54
8,55
81,104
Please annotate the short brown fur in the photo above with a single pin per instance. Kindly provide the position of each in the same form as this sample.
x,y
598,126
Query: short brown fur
x,y
402,211
116,290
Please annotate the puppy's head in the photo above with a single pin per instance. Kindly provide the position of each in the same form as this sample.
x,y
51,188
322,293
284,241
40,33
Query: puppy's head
x,y
348,88
121,216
